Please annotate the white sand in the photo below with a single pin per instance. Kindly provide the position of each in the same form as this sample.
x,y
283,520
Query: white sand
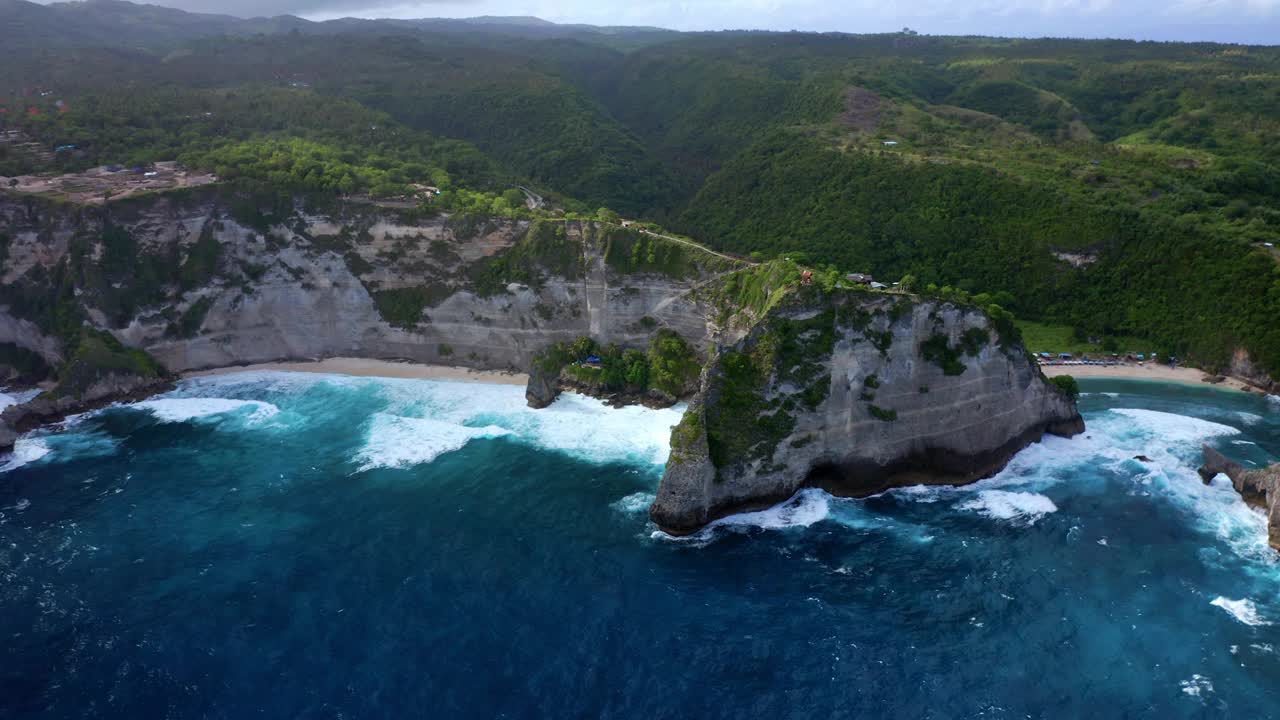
x,y
376,368
1150,371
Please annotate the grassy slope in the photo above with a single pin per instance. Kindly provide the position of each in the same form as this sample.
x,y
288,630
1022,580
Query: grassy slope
x,y
1159,160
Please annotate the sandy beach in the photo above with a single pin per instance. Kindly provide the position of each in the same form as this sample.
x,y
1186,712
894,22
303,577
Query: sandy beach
x,y
376,368
1162,373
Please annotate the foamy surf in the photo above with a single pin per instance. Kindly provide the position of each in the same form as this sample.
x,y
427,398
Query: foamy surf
x,y
401,442
1196,686
588,429
25,452
635,503
1173,428
177,410
1242,610
1020,507
16,397
805,508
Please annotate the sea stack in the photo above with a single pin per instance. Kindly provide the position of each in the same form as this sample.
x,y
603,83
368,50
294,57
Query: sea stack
x,y
1260,488
856,393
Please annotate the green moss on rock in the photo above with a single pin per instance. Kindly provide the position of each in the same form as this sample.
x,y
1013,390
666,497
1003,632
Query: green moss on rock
x,y
97,357
938,350
403,307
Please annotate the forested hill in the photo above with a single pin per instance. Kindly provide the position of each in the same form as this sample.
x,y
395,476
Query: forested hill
x,y
87,23
1118,188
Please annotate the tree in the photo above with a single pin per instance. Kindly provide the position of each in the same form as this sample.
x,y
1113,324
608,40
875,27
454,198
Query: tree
x,y
513,197
606,215
1067,385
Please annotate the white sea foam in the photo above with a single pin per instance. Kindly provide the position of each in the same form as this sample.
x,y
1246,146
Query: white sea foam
x,y
16,397
1173,442
1196,685
1103,394
574,424
176,410
634,503
1172,428
25,452
1243,610
587,428
1021,507
922,493
399,442
803,509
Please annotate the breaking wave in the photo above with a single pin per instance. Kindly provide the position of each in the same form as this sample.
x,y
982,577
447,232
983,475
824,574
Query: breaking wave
x,y
400,442
1025,508
634,503
183,409
1243,610
805,508
25,452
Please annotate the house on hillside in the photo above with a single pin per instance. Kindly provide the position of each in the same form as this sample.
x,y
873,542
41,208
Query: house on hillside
x,y
891,143
859,278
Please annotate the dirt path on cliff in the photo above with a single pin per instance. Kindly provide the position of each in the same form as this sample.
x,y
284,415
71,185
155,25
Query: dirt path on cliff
x,y
692,244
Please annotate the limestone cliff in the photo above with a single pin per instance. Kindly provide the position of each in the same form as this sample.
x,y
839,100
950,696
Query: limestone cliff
x,y
202,280
1260,488
855,392
850,390
211,278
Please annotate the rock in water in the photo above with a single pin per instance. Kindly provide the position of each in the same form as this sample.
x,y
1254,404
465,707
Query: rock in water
x,y
856,393
542,388
7,438
1260,488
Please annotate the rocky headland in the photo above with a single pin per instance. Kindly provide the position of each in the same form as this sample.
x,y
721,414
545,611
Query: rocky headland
x,y
790,382
1259,488
855,393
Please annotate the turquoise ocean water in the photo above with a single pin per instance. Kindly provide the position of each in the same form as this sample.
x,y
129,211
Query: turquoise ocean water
x,y
303,546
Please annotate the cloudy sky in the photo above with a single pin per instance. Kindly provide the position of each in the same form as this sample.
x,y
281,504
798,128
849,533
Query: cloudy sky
x,y
1251,21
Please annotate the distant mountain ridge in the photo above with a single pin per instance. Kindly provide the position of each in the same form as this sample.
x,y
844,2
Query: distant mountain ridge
x,y
118,22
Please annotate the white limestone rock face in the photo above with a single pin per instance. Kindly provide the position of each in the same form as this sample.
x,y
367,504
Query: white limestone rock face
x,y
306,286
854,393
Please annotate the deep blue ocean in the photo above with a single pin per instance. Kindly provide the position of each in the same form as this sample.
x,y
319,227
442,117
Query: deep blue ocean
x,y
308,546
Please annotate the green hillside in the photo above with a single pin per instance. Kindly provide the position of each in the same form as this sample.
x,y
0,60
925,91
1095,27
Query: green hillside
x,y
1115,187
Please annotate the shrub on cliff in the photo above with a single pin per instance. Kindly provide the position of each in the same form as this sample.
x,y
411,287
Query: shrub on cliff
x,y
98,357
673,364
1067,385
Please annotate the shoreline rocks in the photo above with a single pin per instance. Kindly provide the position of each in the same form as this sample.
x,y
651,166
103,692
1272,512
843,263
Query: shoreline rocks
x,y
1259,488
46,410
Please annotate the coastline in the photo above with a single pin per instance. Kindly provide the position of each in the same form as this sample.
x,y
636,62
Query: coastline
x,y
1160,373
364,367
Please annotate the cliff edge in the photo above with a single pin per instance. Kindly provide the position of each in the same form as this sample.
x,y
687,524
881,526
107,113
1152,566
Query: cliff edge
x,y
855,392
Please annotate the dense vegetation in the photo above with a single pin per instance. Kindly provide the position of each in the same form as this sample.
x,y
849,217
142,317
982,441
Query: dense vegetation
x,y
670,367
1110,189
